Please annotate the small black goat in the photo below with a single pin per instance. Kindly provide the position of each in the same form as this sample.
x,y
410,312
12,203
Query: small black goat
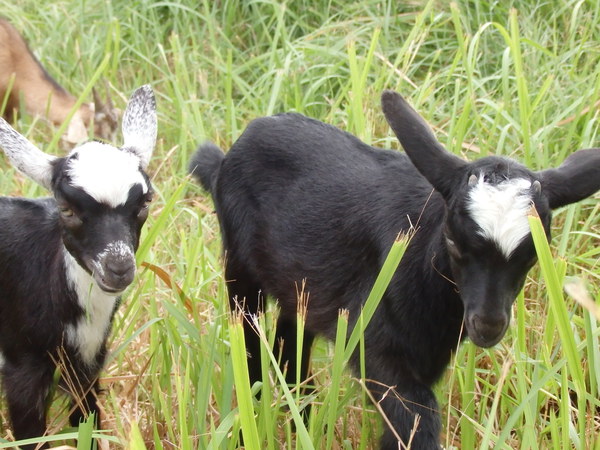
x,y
64,261
301,200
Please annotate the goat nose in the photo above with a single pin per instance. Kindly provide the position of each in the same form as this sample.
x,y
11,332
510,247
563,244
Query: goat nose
x,y
118,267
119,272
488,331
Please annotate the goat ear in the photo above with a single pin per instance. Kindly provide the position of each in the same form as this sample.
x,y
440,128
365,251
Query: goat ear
x,y
25,156
139,124
576,178
430,158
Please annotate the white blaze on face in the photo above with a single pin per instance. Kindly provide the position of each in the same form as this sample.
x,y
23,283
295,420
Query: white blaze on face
x,y
105,172
501,211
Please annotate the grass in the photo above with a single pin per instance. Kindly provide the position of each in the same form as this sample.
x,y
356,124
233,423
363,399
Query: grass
x,y
521,81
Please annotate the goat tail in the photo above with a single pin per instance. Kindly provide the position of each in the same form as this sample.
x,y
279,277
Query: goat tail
x,y
205,164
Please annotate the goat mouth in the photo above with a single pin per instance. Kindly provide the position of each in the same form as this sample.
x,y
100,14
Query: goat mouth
x,y
485,341
115,288
109,289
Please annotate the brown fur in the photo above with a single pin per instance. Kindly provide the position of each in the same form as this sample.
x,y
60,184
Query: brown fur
x,y
39,93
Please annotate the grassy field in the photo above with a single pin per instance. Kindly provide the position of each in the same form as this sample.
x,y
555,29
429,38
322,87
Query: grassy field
x,y
522,82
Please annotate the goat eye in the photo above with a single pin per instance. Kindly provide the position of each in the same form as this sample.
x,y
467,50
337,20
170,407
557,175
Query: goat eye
x,y
66,212
143,212
70,219
147,200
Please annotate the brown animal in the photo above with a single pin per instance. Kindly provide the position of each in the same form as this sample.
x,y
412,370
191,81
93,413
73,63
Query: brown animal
x,y
23,78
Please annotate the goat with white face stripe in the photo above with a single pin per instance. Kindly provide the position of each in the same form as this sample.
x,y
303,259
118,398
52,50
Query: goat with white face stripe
x,y
486,230
65,260
303,203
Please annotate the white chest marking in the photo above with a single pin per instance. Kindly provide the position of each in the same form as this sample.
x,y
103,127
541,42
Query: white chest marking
x,y
501,211
88,334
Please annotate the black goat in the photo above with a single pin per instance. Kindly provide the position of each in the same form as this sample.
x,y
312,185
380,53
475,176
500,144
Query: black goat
x,y
301,200
64,261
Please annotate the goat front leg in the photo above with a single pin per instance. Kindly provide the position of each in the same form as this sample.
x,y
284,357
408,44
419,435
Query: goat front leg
x,y
27,384
409,406
85,403
412,409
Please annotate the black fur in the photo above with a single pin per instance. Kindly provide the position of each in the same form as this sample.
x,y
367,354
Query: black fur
x,y
38,302
34,315
63,263
301,200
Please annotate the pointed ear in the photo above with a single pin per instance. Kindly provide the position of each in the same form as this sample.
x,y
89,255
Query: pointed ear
x,y
139,124
430,158
25,156
577,177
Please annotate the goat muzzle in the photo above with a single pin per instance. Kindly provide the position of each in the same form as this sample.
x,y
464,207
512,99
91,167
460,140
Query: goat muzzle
x,y
114,269
486,331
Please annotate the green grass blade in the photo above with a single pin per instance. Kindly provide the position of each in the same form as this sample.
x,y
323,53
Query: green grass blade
x,y
242,383
557,304
381,283
85,432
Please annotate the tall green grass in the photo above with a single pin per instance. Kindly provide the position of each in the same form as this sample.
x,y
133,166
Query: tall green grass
x,y
520,80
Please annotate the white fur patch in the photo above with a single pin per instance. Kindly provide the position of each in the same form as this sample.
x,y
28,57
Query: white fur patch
x,y
88,334
501,211
105,172
1,361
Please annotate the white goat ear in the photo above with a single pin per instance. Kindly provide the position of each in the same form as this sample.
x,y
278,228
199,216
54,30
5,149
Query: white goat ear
x,y
25,156
139,124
